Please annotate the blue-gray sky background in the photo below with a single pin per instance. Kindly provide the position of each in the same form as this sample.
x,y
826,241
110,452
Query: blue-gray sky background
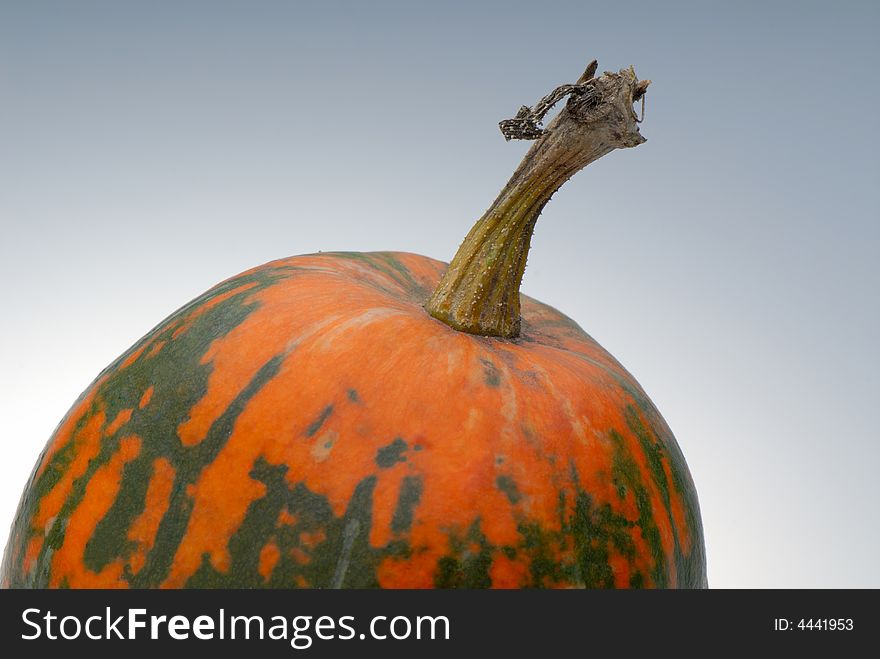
x,y
149,150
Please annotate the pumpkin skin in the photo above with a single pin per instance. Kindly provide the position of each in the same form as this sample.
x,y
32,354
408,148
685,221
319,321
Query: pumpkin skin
x,y
308,424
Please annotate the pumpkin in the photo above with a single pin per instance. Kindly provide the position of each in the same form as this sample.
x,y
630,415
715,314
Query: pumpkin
x,y
375,420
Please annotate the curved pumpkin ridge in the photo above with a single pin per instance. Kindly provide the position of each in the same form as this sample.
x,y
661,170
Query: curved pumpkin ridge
x,y
367,443
584,467
648,458
646,422
661,462
518,466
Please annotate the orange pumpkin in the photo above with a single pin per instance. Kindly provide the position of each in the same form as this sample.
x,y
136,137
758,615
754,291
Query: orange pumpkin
x,y
308,424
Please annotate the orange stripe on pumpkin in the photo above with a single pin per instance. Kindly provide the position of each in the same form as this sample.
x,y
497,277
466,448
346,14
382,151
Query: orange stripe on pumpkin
x,y
313,539
236,357
508,573
87,444
285,517
269,557
101,492
133,357
144,529
424,270
415,572
121,419
65,430
146,397
155,348
35,544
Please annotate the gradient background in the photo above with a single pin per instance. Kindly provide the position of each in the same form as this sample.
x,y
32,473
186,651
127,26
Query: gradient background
x,y
149,150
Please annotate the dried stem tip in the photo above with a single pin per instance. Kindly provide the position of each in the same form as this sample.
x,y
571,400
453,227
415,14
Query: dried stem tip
x,y
479,293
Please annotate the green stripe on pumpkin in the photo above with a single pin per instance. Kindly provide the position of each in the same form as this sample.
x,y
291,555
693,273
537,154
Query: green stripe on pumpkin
x,y
179,380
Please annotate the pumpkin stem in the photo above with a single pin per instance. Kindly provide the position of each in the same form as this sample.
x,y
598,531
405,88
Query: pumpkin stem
x,y
479,292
